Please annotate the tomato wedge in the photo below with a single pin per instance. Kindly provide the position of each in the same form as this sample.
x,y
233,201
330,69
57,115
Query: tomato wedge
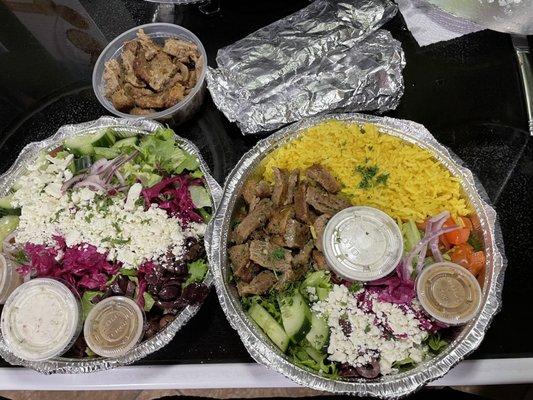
x,y
464,255
461,254
458,236
477,262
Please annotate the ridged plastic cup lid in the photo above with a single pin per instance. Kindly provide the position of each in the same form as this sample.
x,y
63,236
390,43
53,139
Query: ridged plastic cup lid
x,y
114,326
362,243
41,319
449,293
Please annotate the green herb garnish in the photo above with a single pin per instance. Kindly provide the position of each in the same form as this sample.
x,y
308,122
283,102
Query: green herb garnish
x,y
278,254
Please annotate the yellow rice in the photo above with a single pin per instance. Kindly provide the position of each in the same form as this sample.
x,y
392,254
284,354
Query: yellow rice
x,y
418,185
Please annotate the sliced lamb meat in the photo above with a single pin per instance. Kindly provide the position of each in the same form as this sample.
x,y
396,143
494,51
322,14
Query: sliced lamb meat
x,y
324,178
142,111
255,219
290,275
304,256
291,186
121,100
277,240
174,94
128,58
269,255
296,234
325,202
260,284
180,49
301,208
281,185
278,220
248,191
239,255
254,188
149,47
157,72
320,260
112,76
319,225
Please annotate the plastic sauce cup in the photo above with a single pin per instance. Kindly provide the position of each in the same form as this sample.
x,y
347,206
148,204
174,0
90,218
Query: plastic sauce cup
x,y
449,293
114,326
41,319
10,279
158,32
362,243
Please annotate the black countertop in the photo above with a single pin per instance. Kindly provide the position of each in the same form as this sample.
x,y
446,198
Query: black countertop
x,y
466,92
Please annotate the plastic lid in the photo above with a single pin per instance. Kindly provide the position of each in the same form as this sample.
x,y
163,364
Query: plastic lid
x,y
362,243
449,293
114,326
41,319
4,273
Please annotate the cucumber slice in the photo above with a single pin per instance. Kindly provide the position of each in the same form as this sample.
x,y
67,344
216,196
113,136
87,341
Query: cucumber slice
x,y
295,315
6,202
127,142
80,145
6,206
104,152
103,139
269,325
124,134
319,334
7,225
82,163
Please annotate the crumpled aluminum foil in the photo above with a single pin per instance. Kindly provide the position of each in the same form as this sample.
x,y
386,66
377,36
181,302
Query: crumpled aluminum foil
x,y
329,56
28,154
390,386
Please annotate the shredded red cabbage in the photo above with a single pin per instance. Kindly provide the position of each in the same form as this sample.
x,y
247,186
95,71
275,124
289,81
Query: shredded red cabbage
x,y
172,195
392,289
81,266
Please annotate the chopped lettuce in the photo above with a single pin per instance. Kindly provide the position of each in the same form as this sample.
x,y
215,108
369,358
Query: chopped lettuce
x,y
411,235
197,271
435,343
320,280
310,358
148,301
86,302
199,196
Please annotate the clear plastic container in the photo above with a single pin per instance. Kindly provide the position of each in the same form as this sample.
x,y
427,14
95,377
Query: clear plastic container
x,y
10,279
158,32
41,319
449,293
114,326
362,243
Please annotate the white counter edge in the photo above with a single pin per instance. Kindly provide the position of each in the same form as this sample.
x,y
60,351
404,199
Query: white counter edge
x,y
239,375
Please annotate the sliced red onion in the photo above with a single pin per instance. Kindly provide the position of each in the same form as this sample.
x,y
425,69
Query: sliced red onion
x,y
99,166
91,185
425,241
434,243
71,182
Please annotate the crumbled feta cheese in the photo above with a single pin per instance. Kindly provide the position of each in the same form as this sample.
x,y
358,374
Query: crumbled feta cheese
x,y
115,225
387,332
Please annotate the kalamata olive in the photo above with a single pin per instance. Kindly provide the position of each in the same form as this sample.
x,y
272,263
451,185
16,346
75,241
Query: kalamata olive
x,y
130,289
171,305
347,371
165,320
169,292
122,282
346,326
151,327
195,293
369,371
116,289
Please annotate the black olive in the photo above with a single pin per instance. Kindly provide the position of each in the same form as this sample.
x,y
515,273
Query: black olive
x,y
169,292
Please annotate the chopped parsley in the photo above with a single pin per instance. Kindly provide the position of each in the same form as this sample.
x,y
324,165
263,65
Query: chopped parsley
x,y
370,176
367,328
278,254
475,242
355,287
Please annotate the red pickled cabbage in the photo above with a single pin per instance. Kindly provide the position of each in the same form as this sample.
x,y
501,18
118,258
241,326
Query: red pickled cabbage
x,y
81,266
172,195
392,289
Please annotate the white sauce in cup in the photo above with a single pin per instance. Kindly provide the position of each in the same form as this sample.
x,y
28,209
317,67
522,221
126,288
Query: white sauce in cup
x,y
41,319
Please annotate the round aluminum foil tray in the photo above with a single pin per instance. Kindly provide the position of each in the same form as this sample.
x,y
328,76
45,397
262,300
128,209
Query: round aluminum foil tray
x,y
27,155
391,386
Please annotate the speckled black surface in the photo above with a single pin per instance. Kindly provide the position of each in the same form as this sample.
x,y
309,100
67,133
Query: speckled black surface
x,y
465,91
